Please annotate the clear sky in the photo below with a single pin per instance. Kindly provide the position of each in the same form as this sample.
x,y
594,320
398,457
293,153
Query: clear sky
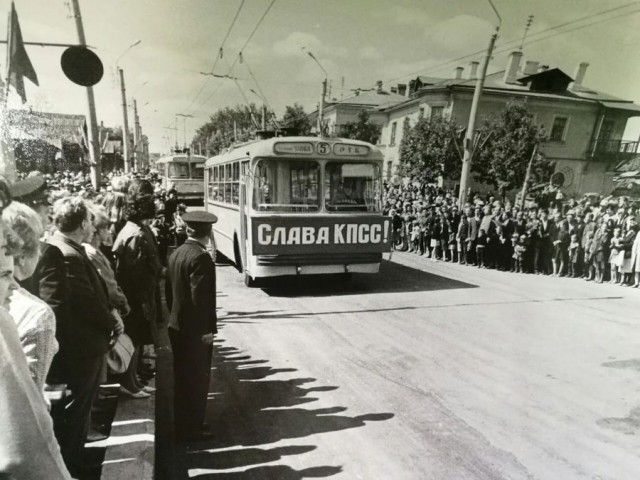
x,y
360,41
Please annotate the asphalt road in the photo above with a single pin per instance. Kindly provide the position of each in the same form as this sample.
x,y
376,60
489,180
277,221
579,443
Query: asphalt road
x,y
425,371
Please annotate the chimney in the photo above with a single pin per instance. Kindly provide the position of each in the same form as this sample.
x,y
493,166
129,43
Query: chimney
x,y
530,67
513,64
402,89
543,68
459,71
473,73
580,73
379,86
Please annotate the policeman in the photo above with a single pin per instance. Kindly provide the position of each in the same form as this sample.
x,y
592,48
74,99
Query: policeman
x,y
191,298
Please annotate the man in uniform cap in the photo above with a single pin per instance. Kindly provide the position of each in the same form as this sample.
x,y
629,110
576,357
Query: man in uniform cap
x,y
191,298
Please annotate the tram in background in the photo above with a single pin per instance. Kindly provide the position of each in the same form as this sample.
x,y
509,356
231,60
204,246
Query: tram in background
x,y
299,206
186,173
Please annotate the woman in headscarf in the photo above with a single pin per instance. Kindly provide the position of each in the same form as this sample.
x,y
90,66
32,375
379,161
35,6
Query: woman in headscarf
x,y
138,272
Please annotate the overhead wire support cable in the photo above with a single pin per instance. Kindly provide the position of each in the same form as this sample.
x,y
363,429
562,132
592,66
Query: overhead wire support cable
x,y
220,50
509,44
240,52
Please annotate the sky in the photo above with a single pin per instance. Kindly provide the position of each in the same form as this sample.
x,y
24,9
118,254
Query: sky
x,y
356,42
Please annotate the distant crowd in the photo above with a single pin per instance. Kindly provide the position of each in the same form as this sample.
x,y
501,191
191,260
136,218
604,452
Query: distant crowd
x,y
589,238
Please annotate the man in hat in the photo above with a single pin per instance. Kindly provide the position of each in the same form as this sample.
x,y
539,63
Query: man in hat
x,y
191,298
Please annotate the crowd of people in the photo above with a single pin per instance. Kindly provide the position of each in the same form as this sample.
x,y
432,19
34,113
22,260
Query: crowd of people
x,y
591,238
78,268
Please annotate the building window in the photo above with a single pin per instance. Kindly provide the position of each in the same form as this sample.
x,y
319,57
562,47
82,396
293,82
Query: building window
x,y
421,112
389,170
437,112
559,129
392,141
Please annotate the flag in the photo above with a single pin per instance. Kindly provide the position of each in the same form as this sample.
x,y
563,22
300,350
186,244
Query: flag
x,y
18,63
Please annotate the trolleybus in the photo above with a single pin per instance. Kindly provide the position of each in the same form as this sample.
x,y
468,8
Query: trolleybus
x,y
186,173
299,206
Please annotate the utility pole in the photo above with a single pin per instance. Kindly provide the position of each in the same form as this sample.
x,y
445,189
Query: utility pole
x,y
92,128
321,108
469,136
125,123
136,137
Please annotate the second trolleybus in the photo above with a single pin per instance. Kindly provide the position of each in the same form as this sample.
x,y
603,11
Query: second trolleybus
x,y
185,172
299,206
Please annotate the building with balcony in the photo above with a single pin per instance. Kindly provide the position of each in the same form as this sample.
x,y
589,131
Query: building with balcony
x,y
585,127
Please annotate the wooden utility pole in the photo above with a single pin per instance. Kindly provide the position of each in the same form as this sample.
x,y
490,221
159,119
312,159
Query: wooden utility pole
x,y
468,139
321,109
125,123
92,127
136,137
525,185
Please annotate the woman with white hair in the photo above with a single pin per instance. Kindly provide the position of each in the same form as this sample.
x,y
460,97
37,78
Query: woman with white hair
x,y
35,319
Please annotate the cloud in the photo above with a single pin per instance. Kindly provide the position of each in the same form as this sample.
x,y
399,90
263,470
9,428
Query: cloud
x,y
410,16
370,53
457,36
293,43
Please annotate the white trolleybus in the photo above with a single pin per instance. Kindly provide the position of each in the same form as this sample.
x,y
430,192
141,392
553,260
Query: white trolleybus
x,y
186,173
299,206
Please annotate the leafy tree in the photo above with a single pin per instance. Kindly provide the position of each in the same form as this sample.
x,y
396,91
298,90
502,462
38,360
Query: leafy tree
x,y
219,132
294,117
429,150
511,138
363,129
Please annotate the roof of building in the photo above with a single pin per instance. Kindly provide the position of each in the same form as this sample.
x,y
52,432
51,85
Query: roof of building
x,y
373,98
495,82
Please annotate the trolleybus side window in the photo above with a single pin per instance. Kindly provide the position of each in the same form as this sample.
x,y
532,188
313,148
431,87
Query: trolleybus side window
x,y
286,186
352,187
235,185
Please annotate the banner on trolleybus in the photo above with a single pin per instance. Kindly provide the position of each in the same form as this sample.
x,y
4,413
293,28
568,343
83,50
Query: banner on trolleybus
x,y
299,235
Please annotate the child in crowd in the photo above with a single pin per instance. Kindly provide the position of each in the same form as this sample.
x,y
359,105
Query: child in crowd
x,y
519,253
588,258
415,237
575,253
615,254
461,237
514,243
481,244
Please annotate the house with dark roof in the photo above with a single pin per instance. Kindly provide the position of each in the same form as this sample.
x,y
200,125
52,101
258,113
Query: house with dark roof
x,y
337,113
585,127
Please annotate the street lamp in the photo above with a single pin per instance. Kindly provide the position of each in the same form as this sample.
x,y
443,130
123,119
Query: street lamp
x,y
324,92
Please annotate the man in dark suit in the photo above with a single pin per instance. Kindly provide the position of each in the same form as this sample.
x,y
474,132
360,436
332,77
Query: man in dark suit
x,y
191,298
84,325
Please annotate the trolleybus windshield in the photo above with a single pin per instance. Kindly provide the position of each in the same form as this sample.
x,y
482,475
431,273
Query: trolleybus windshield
x,y
286,185
352,187
178,170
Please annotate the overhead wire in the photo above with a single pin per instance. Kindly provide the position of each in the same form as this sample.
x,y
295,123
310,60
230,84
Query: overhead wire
x,y
231,67
220,50
506,45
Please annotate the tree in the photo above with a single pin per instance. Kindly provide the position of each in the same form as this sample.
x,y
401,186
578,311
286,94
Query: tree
x,y
363,129
429,150
220,131
511,139
294,117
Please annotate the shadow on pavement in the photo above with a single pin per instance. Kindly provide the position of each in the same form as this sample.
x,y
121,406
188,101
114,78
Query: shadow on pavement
x,y
392,278
247,409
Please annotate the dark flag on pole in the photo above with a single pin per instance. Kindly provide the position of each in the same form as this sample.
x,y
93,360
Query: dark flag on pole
x,y
18,63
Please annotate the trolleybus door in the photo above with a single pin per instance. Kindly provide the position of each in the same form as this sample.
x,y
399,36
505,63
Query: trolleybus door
x,y
244,167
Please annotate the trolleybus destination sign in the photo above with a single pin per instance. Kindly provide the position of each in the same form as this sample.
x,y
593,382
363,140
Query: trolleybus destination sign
x,y
291,235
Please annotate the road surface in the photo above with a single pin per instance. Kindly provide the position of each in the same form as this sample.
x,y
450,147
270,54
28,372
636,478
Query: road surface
x,y
425,371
